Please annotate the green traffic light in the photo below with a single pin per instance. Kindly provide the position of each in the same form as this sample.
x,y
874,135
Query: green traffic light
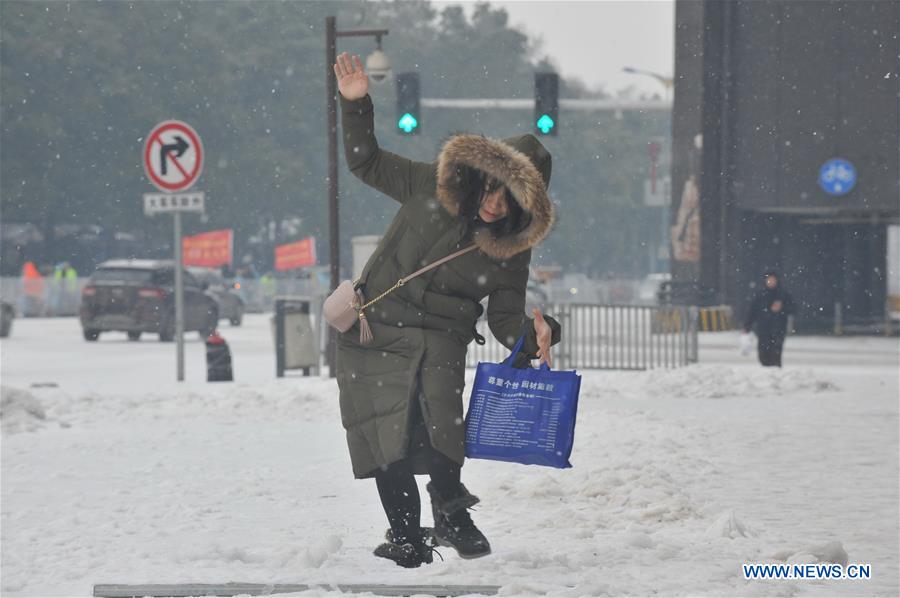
x,y
545,124
407,122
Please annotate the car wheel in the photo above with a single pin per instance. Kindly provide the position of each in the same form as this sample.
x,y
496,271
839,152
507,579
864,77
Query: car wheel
x,y
91,335
237,318
134,335
167,329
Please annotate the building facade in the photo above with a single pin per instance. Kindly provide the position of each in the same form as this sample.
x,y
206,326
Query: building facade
x,y
786,154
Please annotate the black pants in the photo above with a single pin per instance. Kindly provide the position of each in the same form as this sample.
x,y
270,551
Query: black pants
x,y
399,492
769,349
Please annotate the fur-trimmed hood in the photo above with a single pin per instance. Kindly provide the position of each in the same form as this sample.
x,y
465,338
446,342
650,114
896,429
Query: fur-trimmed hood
x,y
522,164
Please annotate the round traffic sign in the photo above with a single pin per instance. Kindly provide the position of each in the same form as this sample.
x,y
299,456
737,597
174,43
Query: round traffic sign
x,y
837,177
173,156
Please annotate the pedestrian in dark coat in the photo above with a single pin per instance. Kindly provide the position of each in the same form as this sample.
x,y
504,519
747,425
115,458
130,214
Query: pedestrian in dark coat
x,y
401,395
769,311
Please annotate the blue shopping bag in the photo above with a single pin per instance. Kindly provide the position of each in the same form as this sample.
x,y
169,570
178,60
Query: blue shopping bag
x,y
522,415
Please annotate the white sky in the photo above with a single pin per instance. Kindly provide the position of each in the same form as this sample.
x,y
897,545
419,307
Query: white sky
x,y
594,40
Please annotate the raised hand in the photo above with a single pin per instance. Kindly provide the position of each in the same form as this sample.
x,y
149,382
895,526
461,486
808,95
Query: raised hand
x,y
352,80
544,336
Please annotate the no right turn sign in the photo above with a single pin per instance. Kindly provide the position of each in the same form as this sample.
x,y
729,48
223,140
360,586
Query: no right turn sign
x,y
173,156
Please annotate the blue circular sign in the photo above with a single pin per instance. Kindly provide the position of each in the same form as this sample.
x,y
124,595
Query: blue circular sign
x,y
837,177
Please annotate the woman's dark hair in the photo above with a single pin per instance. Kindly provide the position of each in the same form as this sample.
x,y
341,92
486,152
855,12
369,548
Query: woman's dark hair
x,y
475,184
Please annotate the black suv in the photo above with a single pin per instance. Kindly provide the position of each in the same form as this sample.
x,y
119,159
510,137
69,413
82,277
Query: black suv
x,y
137,296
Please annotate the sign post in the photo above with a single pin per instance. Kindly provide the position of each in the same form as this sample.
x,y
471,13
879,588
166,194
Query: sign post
x,y
177,143
179,301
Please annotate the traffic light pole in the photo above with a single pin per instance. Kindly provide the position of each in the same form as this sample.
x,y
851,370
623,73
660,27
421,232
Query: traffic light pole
x,y
585,105
571,104
333,212
334,241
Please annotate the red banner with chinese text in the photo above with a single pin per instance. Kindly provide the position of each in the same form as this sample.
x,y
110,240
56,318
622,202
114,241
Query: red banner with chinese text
x,y
296,255
209,250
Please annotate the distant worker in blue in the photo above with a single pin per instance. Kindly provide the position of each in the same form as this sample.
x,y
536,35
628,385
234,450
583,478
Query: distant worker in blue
x,y
769,311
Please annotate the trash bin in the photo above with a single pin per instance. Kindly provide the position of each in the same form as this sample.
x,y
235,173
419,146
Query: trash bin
x,y
295,338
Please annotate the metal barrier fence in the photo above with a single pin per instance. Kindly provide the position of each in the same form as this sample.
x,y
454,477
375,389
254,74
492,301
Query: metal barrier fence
x,y
63,297
611,337
620,337
53,297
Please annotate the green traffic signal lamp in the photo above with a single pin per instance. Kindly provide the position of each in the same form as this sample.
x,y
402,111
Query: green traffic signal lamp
x,y
407,123
409,108
545,124
546,103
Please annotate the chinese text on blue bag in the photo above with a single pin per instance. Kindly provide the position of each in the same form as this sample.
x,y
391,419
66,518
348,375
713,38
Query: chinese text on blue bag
x,y
522,415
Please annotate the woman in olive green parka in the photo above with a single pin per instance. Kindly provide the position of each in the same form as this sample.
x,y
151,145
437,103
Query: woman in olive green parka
x,y
401,395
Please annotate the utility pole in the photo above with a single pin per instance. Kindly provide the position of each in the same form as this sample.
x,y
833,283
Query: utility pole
x,y
334,241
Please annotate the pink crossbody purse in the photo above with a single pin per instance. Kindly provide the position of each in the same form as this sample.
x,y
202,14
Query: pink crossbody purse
x,y
347,304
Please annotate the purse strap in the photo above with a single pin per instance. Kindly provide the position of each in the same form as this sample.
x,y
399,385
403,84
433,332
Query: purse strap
x,y
432,265
418,272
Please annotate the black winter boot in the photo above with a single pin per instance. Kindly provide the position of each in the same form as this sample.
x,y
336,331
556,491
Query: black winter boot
x,y
453,526
411,553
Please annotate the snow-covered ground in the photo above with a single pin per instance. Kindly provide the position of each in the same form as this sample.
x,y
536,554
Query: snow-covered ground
x,y
114,473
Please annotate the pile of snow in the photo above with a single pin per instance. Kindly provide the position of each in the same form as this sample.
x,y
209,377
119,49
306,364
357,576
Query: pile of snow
x,y
830,552
729,526
314,400
312,556
718,382
164,482
20,411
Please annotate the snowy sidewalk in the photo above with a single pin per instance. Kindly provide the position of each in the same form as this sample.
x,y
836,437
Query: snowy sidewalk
x,y
117,475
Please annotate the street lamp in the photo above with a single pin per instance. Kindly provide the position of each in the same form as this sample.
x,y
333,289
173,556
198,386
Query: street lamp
x,y
379,68
377,64
667,82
